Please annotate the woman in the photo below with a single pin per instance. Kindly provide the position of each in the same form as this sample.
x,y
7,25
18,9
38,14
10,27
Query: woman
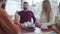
x,y
47,16
7,26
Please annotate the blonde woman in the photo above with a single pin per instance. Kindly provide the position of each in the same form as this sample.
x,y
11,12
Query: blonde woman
x,y
47,16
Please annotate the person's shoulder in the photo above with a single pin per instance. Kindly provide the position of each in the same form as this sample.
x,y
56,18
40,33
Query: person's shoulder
x,y
29,10
17,11
2,10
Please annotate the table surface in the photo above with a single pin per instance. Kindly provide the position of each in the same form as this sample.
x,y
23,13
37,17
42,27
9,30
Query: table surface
x,y
51,32
40,32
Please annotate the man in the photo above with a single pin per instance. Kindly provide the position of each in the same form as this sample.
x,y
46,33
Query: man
x,y
25,14
7,26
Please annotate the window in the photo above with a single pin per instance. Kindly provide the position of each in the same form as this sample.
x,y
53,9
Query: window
x,y
35,5
12,6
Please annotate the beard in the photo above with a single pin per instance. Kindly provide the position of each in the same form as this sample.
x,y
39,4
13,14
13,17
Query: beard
x,y
25,8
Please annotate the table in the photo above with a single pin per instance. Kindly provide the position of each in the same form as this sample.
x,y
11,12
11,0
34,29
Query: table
x,y
51,32
40,32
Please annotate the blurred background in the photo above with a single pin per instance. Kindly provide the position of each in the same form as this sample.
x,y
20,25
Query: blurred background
x,y
35,5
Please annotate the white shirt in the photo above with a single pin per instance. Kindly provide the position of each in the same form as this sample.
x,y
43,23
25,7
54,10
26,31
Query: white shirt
x,y
44,20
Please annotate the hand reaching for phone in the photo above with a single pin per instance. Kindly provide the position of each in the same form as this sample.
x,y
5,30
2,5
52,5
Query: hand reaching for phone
x,y
38,25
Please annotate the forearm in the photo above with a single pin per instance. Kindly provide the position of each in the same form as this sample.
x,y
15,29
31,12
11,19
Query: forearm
x,y
54,27
58,31
17,21
7,27
7,23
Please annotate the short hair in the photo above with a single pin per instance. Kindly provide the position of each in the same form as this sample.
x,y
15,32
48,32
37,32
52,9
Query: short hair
x,y
25,3
46,1
3,5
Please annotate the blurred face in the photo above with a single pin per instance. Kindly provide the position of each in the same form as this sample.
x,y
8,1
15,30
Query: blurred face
x,y
25,6
45,5
2,1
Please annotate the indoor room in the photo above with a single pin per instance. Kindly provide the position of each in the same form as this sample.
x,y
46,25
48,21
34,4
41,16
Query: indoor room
x,y
29,16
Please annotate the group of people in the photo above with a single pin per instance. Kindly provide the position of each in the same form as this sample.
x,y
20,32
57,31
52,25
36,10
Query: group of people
x,y
7,26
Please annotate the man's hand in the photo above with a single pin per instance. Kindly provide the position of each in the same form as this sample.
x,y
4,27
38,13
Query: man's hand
x,y
17,19
38,25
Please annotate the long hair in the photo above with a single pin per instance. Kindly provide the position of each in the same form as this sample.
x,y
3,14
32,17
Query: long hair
x,y
47,10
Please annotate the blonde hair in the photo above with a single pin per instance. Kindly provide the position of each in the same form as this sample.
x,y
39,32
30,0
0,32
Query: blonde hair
x,y
47,10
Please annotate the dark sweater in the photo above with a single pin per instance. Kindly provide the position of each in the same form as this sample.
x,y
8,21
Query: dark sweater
x,y
26,16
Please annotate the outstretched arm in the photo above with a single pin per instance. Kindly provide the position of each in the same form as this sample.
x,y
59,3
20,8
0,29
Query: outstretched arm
x,y
7,24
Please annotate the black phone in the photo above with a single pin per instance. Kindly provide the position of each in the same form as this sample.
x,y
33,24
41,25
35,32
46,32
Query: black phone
x,y
30,28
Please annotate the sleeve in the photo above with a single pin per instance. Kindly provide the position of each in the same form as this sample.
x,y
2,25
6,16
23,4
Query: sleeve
x,y
7,23
17,19
34,19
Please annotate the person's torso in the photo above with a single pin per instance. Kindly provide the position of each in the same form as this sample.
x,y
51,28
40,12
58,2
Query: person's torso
x,y
25,16
43,18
